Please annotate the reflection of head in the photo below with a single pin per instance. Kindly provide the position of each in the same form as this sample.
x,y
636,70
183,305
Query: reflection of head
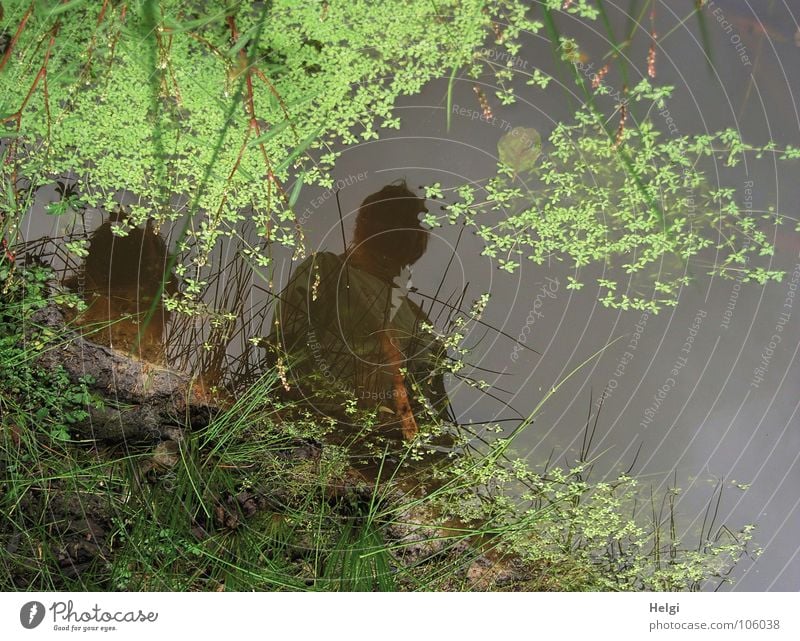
x,y
135,261
122,280
387,225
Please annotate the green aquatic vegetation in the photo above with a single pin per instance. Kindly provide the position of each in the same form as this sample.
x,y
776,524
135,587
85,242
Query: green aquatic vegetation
x,y
210,120
641,204
215,112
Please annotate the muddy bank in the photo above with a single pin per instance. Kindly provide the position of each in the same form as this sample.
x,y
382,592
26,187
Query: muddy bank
x,y
78,528
138,437
136,400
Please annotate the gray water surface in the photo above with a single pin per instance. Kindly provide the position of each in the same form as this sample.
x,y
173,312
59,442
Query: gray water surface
x,y
728,419
705,392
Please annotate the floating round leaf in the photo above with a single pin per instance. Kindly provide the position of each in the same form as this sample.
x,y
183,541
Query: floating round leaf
x,y
520,148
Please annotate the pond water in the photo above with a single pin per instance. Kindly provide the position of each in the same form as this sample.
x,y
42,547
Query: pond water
x,y
728,419
707,393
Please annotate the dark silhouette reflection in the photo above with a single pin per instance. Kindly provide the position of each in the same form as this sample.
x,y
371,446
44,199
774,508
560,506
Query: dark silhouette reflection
x,y
345,327
120,281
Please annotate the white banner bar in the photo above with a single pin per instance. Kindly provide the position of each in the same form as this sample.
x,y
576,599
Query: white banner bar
x,y
227,616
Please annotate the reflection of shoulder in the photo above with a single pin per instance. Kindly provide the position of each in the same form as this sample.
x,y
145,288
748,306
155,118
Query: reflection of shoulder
x,y
318,261
326,260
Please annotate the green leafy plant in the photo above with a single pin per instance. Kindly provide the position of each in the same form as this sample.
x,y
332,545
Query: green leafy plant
x,y
203,102
641,204
31,398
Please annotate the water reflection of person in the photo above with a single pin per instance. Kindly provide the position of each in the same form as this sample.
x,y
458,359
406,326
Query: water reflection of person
x,y
344,322
120,281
